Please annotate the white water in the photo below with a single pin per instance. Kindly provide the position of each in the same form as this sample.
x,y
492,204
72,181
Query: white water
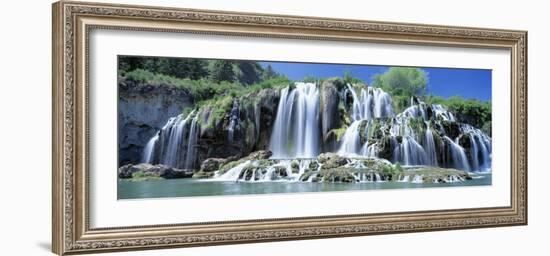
x,y
410,152
296,134
296,130
480,148
234,120
413,148
233,173
174,144
371,103
429,144
459,156
350,140
191,150
149,150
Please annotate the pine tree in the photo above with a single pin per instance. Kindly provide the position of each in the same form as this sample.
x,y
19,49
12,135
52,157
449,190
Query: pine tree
x,y
222,70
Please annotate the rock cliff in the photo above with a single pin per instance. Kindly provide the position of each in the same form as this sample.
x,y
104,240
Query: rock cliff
x,y
142,110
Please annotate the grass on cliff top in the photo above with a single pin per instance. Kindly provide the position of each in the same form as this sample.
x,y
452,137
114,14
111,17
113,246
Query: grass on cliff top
x,y
203,89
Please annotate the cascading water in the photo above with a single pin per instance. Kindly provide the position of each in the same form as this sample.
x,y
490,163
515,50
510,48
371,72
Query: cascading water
x,y
429,144
480,147
410,152
234,121
192,141
296,131
350,139
149,150
420,135
372,103
411,135
458,155
174,144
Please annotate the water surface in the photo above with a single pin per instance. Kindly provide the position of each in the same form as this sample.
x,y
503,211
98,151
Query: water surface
x,y
194,187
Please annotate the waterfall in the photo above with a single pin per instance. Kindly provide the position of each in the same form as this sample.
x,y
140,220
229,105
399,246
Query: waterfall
x,y
233,173
372,103
422,134
443,113
234,121
191,150
429,143
296,129
350,140
174,144
458,155
410,152
410,133
149,150
480,147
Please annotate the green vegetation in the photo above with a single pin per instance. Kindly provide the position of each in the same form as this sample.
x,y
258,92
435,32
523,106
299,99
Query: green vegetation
x,y
218,82
350,79
470,111
175,67
402,83
222,70
242,71
142,175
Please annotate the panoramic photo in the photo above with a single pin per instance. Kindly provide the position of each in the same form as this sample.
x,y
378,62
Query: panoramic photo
x,y
204,127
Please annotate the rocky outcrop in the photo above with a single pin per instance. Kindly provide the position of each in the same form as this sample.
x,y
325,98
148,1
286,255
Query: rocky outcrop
x,y
258,155
330,114
142,110
252,131
209,166
148,171
429,174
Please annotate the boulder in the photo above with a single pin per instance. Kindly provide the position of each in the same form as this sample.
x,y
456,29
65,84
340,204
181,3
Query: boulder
x,y
212,164
330,99
331,160
336,175
148,171
260,154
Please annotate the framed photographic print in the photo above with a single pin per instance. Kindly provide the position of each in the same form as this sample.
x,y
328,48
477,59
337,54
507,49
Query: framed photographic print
x,y
179,127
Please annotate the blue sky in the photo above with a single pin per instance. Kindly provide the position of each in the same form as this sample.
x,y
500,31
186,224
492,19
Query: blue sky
x,y
445,82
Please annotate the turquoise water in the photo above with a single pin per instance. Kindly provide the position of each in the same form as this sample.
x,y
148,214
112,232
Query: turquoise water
x,y
194,187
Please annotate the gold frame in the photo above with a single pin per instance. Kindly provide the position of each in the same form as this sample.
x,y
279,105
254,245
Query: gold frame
x,y
72,21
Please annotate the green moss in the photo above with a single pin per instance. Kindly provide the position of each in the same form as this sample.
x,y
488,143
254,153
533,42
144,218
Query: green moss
x,y
250,130
338,133
226,167
143,176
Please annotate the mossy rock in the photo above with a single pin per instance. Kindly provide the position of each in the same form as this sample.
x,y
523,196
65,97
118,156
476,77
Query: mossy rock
x,y
451,129
337,175
295,166
258,155
203,175
331,160
431,174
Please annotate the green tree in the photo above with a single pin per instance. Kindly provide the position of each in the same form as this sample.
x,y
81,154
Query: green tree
x,y
185,68
402,83
197,69
222,70
401,80
129,63
349,79
269,73
249,72
310,79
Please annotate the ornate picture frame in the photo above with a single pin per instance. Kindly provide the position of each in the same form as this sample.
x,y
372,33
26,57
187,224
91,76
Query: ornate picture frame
x,y
72,23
